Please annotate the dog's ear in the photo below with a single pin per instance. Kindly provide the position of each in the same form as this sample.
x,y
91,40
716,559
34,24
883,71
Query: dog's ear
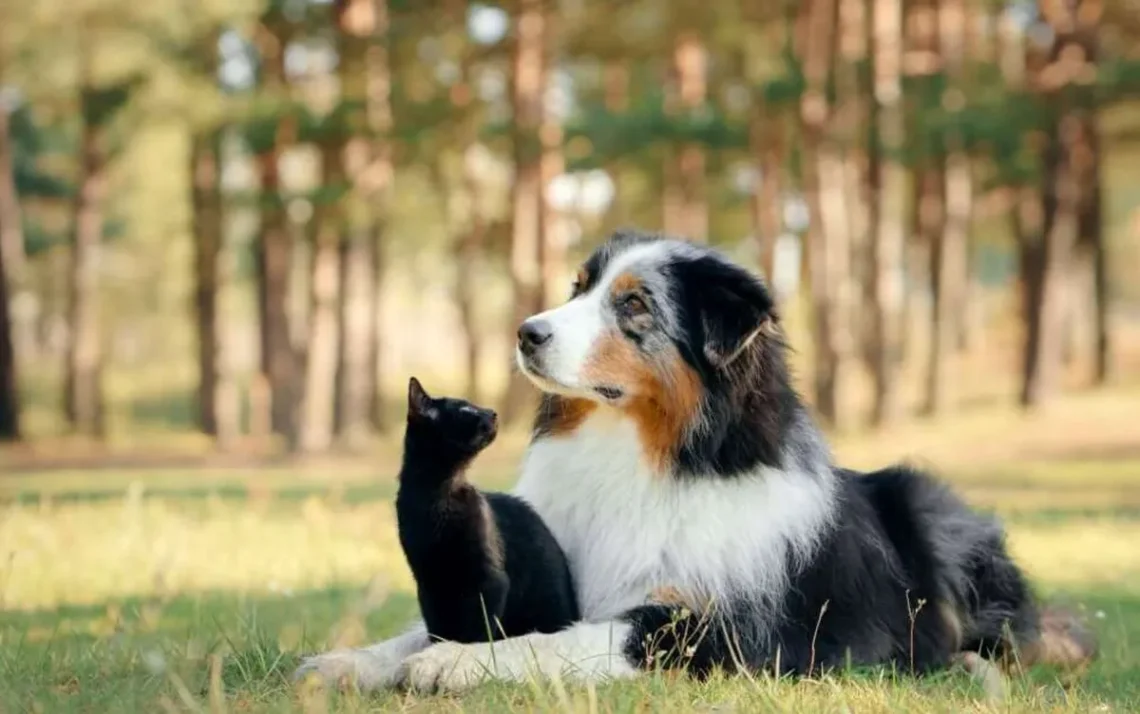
x,y
730,305
419,403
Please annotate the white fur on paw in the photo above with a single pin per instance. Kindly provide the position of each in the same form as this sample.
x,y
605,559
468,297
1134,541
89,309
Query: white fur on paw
x,y
988,674
446,667
360,668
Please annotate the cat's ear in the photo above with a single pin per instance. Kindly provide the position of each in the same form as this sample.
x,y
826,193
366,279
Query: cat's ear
x,y
419,403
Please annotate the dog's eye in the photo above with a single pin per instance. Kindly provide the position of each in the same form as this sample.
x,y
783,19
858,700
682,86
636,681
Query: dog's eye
x,y
633,304
575,288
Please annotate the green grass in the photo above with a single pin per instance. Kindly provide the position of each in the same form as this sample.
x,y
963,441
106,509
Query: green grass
x,y
227,652
201,594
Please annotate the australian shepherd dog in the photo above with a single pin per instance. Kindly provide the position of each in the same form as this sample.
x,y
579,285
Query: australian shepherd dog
x,y
705,523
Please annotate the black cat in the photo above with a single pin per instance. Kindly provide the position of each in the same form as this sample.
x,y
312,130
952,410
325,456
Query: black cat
x,y
486,566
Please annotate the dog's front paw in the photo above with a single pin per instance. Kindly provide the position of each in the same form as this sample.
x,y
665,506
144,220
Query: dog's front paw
x,y
447,667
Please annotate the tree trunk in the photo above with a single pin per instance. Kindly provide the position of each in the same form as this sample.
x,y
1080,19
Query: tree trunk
x,y
274,266
11,254
971,322
206,200
356,379
823,189
686,210
1051,265
360,22
1069,170
1093,233
9,396
1092,228
280,367
376,181
468,228
766,139
84,389
554,242
949,251
886,284
468,246
528,84
948,276
317,406
377,410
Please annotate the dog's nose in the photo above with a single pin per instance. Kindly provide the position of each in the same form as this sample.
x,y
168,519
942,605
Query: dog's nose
x,y
533,334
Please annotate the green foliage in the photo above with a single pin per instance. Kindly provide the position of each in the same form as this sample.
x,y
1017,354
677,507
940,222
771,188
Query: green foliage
x,y
99,105
646,126
1118,79
30,142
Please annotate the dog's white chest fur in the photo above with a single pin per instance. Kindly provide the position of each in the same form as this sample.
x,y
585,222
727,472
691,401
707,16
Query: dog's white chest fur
x,y
627,530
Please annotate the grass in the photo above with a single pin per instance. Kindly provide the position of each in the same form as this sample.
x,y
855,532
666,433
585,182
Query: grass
x,y
180,589
231,652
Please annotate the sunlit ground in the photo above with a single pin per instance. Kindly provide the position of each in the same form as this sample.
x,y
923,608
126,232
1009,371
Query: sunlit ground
x,y
197,589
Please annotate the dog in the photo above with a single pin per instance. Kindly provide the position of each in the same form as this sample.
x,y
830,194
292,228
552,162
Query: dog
x,y
705,522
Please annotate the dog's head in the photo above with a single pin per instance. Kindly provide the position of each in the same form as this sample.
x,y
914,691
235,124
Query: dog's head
x,y
653,327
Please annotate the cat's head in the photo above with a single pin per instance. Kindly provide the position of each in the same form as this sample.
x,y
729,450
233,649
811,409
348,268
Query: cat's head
x,y
454,424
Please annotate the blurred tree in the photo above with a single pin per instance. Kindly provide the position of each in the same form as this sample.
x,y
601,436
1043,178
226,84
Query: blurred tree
x,y
1065,78
529,75
11,244
467,221
208,221
365,85
552,226
886,280
335,231
828,241
684,204
315,430
1092,235
949,242
767,131
271,133
11,220
99,103
849,134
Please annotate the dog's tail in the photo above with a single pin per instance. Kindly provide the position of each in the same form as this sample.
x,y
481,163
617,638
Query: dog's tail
x,y
1066,641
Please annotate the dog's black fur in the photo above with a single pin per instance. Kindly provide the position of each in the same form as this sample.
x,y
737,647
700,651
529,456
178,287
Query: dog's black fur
x,y
878,592
485,564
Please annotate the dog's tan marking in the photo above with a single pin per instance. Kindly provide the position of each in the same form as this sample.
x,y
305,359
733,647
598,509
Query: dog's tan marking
x,y
625,283
663,397
667,595
566,414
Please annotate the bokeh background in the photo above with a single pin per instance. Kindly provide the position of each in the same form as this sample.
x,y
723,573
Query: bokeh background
x,y
231,229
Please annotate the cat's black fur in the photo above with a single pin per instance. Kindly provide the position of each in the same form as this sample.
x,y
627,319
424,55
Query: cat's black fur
x,y
485,564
